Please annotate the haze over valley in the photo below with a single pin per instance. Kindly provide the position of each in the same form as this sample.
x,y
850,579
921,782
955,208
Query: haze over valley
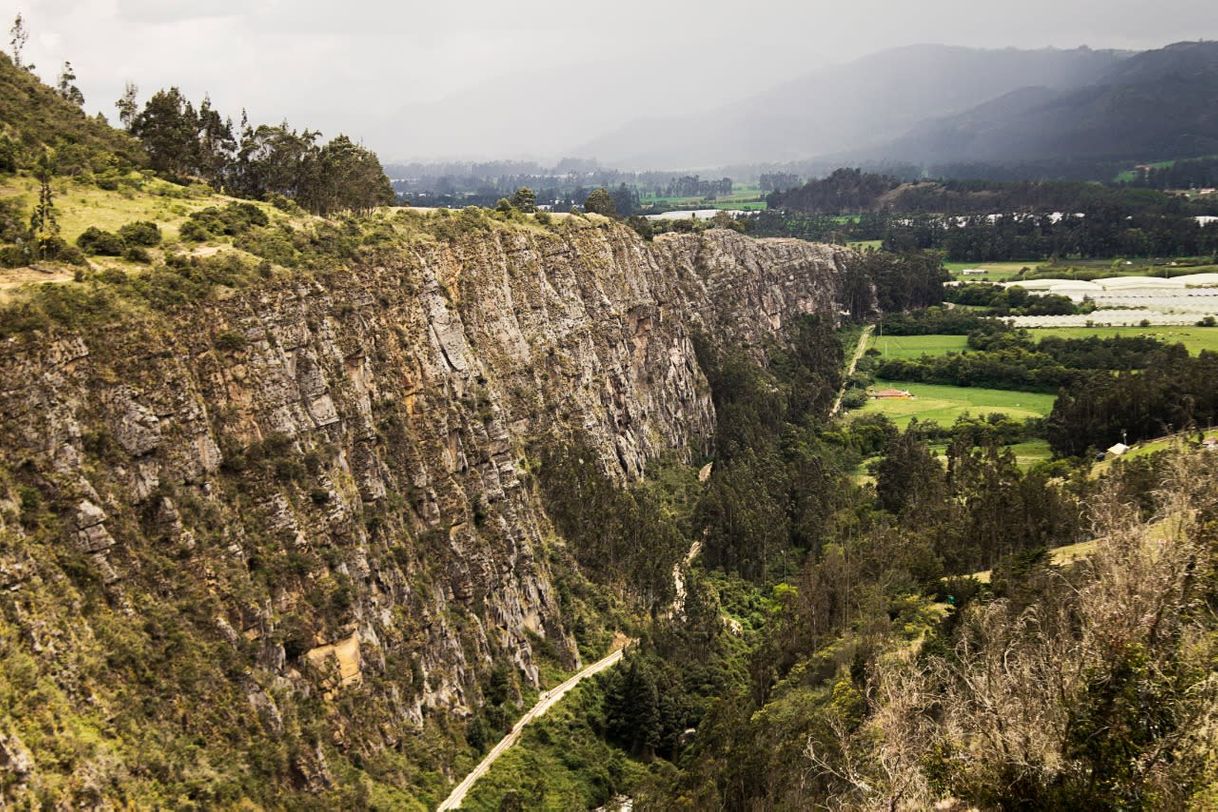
x,y
655,406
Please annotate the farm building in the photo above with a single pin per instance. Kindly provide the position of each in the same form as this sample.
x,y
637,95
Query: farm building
x,y
1117,450
886,394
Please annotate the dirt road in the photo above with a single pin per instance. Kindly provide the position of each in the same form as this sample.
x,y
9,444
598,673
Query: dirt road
x,y
854,362
547,700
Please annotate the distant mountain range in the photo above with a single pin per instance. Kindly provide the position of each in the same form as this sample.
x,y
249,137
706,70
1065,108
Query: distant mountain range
x,y
936,104
1156,104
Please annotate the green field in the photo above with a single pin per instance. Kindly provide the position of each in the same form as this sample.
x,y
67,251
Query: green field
x,y
1130,175
914,346
863,245
995,271
745,198
1194,338
1031,452
1099,268
943,404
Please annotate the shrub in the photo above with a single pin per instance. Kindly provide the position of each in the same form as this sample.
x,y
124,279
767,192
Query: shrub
x,y
854,399
141,232
8,154
101,243
193,231
232,220
12,221
55,248
14,256
273,244
137,253
230,341
544,218
284,203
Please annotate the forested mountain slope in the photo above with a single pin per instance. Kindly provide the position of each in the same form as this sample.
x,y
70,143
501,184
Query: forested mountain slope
x,y
1155,105
847,107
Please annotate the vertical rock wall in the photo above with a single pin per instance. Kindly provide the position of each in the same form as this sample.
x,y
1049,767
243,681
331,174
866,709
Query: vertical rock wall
x,y
333,475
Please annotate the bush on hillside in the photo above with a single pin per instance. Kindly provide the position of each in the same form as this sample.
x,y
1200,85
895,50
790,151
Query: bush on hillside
x,y
137,253
13,256
8,154
100,243
193,231
232,220
141,232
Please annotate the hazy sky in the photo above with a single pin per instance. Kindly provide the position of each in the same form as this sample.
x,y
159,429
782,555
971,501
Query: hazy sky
x,y
526,78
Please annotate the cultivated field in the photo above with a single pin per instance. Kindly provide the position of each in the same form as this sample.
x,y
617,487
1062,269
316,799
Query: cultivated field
x,y
1194,338
915,346
943,404
745,198
995,271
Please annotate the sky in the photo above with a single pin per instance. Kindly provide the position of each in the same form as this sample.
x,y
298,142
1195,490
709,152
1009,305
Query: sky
x,y
528,79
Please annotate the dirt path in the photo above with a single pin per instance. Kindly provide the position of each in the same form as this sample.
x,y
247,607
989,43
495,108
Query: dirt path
x,y
547,700
553,696
854,362
678,579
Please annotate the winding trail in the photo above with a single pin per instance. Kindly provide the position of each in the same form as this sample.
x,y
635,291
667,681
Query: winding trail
x,y
854,362
551,697
547,700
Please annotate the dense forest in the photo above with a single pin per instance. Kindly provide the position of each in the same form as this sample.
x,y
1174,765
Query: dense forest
x,y
989,220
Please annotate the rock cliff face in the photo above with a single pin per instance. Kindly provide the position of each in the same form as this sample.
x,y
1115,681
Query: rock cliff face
x,y
320,489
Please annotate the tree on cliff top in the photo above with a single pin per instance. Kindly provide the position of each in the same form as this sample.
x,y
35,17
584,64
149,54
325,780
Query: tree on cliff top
x,y
525,199
600,202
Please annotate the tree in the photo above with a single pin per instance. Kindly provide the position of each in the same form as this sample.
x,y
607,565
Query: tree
x,y
600,202
349,178
632,709
625,200
44,223
525,200
909,480
168,126
216,145
68,90
127,105
18,38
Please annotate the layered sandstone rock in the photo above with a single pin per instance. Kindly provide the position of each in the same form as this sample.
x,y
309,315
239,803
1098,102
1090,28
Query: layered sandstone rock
x,y
372,429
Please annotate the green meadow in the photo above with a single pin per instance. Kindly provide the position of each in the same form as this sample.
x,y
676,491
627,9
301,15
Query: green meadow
x,y
994,271
915,346
1195,339
943,404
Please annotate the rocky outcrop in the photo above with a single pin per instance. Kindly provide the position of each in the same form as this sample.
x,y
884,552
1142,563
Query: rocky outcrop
x,y
335,468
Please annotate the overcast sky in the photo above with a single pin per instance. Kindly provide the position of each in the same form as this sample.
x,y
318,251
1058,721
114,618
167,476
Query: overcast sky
x,y
526,78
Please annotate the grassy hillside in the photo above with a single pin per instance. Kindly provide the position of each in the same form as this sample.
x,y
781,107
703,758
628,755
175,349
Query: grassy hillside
x,y
33,116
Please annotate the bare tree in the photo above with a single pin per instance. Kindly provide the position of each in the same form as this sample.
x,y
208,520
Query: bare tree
x,y
1099,692
127,105
18,36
